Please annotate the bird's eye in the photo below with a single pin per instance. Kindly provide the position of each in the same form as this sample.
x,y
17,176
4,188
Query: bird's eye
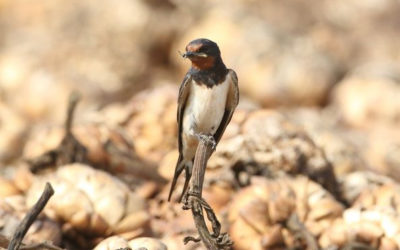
x,y
203,49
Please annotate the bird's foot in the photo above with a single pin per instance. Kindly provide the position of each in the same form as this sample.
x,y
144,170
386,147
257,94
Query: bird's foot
x,y
209,139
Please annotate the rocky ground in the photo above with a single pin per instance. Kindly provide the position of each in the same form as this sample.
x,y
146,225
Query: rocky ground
x,y
310,160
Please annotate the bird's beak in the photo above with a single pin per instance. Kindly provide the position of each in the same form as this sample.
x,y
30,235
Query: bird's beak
x,y
190,54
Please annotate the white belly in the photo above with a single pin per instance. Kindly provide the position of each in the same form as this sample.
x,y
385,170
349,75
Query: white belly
x,y
205,108
203,114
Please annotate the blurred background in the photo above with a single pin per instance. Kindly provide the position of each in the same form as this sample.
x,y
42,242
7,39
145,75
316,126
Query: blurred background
x,y
340,56
286,53
332,68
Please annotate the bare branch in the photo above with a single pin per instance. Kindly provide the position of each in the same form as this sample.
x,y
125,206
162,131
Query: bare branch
x,y
74,98
194,201
30,217
70,150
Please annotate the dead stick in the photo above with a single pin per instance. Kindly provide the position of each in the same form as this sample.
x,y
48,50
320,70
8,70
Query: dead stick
x,y
196,202
203,152
30,218
69,150
74,98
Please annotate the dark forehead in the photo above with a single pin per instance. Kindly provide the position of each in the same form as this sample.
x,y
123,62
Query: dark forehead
x,y
201,42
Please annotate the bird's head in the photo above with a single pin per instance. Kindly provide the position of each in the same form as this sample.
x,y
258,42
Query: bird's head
x,y
203,53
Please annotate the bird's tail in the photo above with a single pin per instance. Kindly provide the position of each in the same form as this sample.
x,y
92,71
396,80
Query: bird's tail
x,y
180,166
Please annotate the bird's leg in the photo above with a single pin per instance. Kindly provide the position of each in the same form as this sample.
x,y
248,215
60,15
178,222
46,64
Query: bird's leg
x,y
209,139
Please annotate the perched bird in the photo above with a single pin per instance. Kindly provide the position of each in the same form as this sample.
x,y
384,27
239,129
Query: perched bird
x,y
207,99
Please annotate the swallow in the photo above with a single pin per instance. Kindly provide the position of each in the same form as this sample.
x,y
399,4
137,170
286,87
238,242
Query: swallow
x,y
208,96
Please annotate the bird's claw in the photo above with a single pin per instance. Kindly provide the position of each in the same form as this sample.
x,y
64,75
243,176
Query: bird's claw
x,y
209,139
213,145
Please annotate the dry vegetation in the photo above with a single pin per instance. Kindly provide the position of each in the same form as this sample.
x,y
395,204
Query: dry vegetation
x,y
310,160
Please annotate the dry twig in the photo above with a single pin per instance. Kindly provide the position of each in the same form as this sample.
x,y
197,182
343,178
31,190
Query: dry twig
x,y
70,149
29,218
193,200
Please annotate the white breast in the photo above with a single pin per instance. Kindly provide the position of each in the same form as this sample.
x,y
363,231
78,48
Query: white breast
x,y
205,107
